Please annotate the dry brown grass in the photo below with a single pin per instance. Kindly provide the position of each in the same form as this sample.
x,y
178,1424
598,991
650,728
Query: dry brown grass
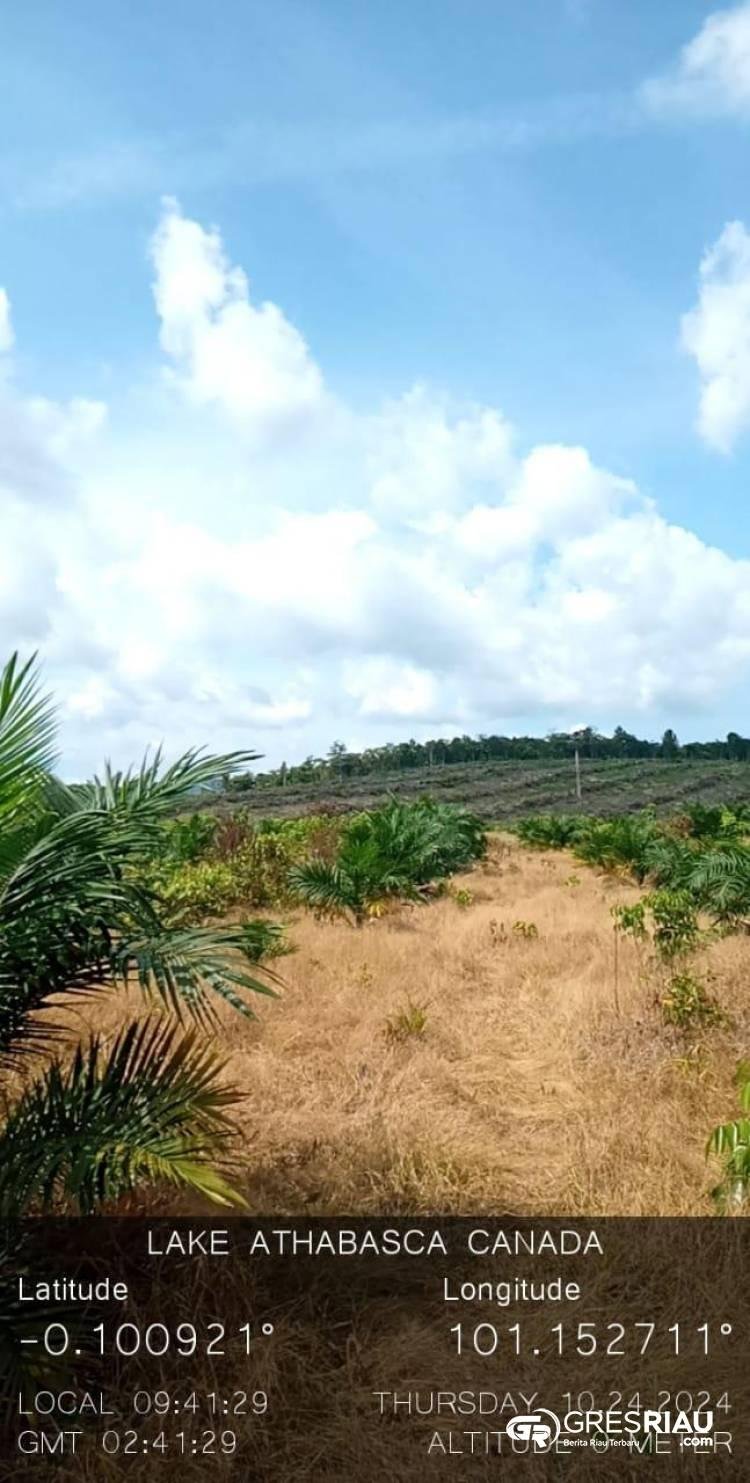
x,y
527,1089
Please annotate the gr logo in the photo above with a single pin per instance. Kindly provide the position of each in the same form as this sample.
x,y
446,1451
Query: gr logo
x,y
541,1428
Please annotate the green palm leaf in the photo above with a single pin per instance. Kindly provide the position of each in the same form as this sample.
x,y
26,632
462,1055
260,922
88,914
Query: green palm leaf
x,y
27,731
78,915
151,1110
153,792
180,965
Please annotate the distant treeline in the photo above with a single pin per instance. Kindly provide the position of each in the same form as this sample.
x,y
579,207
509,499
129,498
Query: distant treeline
x,y
400,756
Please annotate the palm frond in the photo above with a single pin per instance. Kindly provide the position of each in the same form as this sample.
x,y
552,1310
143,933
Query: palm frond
x,y
27,732
152,1109
155,791
720,880
324,886
59,914
73,919
180,965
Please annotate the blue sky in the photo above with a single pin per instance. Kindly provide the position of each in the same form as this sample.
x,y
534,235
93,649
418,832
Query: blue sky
x,y
481,464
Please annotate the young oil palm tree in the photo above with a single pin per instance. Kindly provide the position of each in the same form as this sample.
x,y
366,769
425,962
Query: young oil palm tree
x,y
75,917
395,850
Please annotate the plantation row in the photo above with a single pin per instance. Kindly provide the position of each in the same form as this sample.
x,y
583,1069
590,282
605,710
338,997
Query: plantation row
x,y
697,866
499,791
703,852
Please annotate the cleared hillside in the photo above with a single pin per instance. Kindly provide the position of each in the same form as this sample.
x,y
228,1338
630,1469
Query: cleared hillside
x,y
501,791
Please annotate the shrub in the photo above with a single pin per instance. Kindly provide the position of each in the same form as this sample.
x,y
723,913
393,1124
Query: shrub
x,y
230,835
312,835
195,891
463,898
688,1005
253,873
498,933
261,869
631,920
676,931
186,840
713,822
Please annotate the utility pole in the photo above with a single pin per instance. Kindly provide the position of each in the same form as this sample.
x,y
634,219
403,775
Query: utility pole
x,y
576,736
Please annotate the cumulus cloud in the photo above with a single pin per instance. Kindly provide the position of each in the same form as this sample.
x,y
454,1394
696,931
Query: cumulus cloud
x,y
712,73
226,351
717,333
41,448
442,576
428,457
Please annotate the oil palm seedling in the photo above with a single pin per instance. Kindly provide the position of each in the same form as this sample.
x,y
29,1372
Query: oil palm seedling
x,y
720,881
78,918
549,831
617,844
397,850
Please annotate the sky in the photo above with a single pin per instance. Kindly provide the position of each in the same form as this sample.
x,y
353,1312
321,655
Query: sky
x,y
371,371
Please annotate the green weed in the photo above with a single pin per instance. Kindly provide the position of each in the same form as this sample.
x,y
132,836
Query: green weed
x,y
463,898
526,930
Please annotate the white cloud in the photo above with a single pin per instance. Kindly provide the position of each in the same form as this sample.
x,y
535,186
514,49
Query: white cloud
x,y
6,328
439,575
249,361
717,333
712,72
565,493
388,689
425,457
39,439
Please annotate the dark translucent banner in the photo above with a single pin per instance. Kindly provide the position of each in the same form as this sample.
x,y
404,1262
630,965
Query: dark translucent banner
x,y
401,1349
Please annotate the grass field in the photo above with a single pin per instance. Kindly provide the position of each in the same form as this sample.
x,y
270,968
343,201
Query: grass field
x,y
495,1050
439,1060
501,791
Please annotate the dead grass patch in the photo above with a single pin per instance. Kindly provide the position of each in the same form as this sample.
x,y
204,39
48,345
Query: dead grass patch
x,y
528,1091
